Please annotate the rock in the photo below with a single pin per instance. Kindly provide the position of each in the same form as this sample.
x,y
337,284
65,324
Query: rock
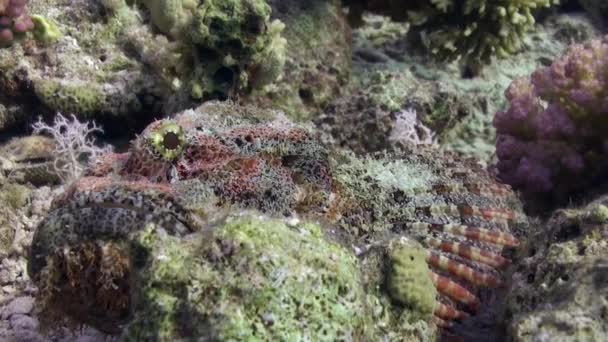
x,y
23,322
560,286
18,306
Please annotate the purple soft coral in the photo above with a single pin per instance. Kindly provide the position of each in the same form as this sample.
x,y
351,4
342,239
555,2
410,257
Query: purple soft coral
x,y
13,20
552,139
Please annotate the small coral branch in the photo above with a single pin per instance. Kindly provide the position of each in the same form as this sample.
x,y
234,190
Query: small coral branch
x,y
75,145
14,20
409,130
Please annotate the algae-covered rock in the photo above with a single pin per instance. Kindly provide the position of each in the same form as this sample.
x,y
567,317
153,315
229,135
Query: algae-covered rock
x,y
235,45
71,97
318,58
560,285
249,278
13,197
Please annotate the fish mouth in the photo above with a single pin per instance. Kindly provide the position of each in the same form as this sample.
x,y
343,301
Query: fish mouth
x,y
97,209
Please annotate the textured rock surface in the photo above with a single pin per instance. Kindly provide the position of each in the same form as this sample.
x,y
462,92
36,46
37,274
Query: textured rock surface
x,y
318,60
560,285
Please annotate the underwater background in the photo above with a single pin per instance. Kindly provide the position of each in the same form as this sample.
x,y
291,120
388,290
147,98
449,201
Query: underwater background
x,y
321,170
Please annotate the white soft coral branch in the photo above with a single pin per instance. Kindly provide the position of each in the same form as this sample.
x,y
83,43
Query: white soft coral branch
x,y
411,131
75,145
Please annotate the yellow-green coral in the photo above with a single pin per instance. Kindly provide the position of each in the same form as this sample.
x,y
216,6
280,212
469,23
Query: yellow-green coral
x,y
171,16
45,30
79,98
599,213
409,282
234,43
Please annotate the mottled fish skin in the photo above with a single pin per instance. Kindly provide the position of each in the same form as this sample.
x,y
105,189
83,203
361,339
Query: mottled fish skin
x,y
460,215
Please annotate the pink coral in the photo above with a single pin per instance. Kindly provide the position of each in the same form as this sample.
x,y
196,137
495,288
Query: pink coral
x,y
14,20
552,138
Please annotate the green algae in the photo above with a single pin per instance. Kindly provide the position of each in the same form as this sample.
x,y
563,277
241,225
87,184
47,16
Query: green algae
x,y
252,278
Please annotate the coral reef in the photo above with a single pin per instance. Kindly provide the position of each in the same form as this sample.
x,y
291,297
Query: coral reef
x,y
318,58
182,173
235,45
455,104
474,30
311,193
14,20
551,141
559,291
109,60
121,62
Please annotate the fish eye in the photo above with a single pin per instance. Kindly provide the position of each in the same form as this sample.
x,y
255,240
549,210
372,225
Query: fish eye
x,y
168,140
171,141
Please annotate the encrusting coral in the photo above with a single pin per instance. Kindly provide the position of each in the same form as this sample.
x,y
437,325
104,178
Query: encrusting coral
x,y
473,29
552,139
234,44
158,209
